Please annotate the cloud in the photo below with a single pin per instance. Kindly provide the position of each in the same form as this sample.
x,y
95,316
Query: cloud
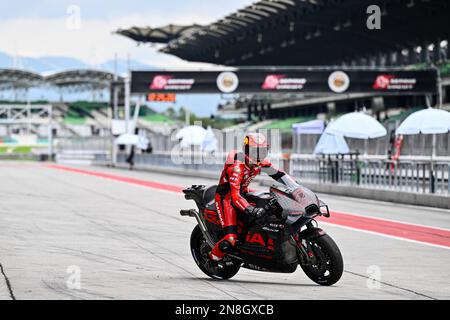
x,y
92,40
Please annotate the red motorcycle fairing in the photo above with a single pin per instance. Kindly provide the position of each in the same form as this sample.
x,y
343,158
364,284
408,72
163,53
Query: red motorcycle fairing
x,y
254,241
211,216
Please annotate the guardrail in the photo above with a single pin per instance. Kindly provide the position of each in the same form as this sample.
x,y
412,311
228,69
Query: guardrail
x,y
83,150
188,160
191,161
407,176
411,176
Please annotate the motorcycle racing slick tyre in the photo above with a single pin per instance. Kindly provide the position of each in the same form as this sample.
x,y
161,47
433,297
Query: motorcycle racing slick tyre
x,y
200,252
329,266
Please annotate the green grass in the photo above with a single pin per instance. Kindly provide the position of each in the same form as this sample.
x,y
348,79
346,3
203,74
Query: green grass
x,y
87,105
157,117
19,149
74,120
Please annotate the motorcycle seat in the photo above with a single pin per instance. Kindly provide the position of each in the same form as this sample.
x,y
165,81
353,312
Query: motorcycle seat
x,y
208,198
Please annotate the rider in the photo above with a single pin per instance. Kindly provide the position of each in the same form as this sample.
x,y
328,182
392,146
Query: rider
x,y
239,170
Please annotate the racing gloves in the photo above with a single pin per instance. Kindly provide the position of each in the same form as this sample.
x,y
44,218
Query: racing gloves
x,y
255,212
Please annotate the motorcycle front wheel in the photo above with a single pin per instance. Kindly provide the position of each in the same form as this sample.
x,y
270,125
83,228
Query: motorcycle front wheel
x,y
329,265
200,252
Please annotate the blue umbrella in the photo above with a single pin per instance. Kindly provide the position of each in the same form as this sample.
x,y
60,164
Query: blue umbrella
x,y
331,144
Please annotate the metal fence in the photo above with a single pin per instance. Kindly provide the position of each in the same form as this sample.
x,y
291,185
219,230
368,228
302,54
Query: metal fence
x,y
197,161
407,176
191,161
84,149
413,145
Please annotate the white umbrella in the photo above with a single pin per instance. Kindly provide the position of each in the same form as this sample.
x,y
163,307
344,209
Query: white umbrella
x,y
357,125
427,121
191,136
209,143
127,139
143,141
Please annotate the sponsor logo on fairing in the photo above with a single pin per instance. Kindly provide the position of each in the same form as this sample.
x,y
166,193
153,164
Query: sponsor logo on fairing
x,y
167,82
280,82
391,82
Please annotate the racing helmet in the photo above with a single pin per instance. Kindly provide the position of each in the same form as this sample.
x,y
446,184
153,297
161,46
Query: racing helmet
x,y
256,147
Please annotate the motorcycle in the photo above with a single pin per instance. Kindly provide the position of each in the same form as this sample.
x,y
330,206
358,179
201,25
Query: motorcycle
x,y
287,235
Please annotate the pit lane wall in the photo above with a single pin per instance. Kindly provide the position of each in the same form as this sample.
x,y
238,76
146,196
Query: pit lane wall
x,y
390,187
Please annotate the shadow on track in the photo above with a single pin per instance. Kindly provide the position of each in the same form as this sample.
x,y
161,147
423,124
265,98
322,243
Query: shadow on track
x,y
234,281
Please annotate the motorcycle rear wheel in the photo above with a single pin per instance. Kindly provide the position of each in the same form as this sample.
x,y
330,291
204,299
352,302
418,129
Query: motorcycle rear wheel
x,y
330,265
200,250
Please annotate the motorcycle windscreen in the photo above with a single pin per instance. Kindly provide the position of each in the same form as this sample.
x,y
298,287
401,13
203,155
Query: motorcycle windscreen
x,y
290,206
294,201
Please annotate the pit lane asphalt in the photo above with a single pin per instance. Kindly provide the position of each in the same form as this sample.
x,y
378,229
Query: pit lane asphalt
x,y
129,242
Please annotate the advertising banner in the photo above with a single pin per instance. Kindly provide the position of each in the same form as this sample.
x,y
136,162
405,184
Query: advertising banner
x,y
271,80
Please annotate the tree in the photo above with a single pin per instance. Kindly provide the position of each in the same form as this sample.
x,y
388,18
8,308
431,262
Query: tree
x,y
181,114
170,112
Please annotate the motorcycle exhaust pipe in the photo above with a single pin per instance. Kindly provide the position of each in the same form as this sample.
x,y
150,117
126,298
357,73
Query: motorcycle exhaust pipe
x,y
194,213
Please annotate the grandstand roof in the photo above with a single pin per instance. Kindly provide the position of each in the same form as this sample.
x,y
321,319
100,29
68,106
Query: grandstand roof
x,y
81,77
158,35
312,32
14,78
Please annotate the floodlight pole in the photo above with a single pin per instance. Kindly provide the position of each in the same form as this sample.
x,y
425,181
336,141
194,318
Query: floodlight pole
x,y
127,102
137,109
115,91
50,133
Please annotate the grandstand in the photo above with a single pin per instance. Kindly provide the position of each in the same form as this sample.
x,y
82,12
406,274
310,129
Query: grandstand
x,y
158,35
19,81
32,127
95,81
14,78
289,34
319,33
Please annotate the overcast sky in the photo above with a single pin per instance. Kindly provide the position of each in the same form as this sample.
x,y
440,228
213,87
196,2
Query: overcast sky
x,y
37,28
